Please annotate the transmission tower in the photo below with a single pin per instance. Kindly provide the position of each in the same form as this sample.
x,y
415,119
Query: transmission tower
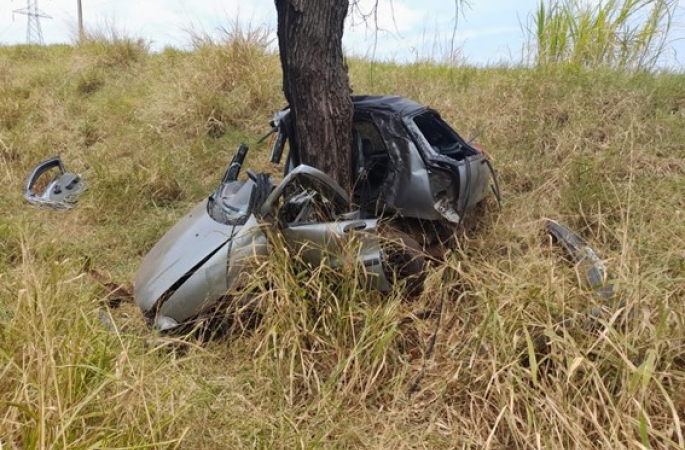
x,y
34,34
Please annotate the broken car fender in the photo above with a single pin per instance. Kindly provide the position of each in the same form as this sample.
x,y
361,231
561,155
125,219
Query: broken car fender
x,y
250,242
195,240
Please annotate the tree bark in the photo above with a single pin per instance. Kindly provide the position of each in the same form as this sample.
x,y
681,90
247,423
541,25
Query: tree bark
x,y
316,85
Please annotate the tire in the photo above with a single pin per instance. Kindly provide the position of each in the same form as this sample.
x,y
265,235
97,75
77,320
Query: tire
x,y
403,260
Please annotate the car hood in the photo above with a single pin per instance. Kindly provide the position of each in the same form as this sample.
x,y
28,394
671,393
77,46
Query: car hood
x,y
185,247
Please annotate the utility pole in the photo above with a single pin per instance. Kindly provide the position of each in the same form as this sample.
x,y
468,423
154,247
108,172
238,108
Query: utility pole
x,y
34,34
81,34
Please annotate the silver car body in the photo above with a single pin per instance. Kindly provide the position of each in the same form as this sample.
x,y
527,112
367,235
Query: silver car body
x,y
409,165
200,259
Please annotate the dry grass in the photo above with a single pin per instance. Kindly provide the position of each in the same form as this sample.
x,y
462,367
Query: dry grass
x,y
331,365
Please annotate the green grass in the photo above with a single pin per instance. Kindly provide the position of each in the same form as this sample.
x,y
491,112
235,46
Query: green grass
x,y
331,364
623,34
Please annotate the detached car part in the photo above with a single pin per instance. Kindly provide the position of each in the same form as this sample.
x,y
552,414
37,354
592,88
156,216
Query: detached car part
x,y
409,166
60,191
591,269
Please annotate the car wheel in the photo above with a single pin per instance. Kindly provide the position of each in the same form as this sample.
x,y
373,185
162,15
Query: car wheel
x,y
403,259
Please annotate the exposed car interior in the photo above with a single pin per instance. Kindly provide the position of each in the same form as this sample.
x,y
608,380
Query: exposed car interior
x,y
372,163
441,138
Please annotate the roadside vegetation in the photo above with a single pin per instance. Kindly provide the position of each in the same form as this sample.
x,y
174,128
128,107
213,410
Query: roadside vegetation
x,y
622,34
331,365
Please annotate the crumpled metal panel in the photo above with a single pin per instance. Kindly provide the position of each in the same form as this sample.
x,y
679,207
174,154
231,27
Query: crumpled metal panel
x,y
319,242
179,251
407,190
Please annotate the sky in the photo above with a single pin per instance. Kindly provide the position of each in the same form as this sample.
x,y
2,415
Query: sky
x,y
487,31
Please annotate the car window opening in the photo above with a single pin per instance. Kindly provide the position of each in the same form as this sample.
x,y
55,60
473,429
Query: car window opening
x,y
441,137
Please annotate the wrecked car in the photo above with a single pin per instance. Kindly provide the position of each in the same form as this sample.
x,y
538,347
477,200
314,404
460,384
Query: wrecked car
x,y
412,171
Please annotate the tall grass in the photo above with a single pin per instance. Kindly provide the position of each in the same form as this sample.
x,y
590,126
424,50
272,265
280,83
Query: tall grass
x,y
623,34
519,360
68,382
109,47
323,333
233,78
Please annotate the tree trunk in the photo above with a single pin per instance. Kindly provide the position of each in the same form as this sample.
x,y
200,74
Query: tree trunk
x,y
316,85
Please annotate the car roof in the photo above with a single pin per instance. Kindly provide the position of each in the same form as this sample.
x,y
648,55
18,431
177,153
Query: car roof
x,y
386,104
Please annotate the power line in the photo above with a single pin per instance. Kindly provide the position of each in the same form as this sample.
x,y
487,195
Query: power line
x,y
34,34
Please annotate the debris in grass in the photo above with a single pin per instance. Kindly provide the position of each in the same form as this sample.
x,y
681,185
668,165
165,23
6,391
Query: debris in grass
x,y
593,275
591,269
59,191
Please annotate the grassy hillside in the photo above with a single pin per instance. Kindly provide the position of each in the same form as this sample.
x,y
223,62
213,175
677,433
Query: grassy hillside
x,y
602,151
